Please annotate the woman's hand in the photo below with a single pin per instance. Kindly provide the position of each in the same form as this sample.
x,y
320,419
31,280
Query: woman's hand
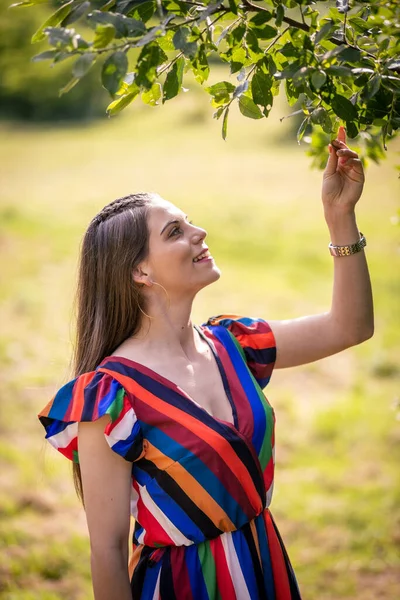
x,y
343,178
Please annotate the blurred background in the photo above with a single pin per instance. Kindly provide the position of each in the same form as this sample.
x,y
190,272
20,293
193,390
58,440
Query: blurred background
x,y
337,489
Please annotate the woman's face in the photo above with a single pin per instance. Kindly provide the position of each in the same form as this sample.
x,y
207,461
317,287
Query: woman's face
x,y
174,245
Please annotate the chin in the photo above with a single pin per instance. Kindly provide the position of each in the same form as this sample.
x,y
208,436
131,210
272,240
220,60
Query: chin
x,y
213,276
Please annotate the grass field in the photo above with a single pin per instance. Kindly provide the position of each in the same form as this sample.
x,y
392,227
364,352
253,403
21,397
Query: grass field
x,y
337,493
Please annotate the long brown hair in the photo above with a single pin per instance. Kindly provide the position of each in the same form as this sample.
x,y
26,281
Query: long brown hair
x,y
108,301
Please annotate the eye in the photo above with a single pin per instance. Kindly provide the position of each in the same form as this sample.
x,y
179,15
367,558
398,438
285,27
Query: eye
x,y
175,231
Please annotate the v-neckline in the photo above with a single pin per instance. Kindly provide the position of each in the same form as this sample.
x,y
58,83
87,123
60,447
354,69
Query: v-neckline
x,y
168,383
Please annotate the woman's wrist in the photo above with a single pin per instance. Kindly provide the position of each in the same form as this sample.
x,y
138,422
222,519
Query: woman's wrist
x,y
343,229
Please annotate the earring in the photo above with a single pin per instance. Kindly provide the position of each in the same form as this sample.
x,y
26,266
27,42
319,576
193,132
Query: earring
x,y
142,311
168,298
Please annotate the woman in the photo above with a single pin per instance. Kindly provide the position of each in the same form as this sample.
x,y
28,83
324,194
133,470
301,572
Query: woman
x,y
173,426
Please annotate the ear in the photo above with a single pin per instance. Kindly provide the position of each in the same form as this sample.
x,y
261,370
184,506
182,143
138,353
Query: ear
x,y
141,277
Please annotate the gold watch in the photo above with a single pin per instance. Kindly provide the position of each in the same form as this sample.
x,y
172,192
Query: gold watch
x,y
350,249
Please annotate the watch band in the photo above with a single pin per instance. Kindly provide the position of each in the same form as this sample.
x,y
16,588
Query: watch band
x,y
350,249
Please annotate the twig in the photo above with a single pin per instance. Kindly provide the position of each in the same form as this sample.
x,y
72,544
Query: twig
x,y
169,65
221,9
344,27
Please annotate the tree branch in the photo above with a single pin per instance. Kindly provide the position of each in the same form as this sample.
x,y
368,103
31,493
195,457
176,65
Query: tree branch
x,y
219,9
302,26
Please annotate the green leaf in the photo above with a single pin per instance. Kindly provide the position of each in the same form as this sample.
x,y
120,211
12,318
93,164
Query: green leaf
x,y
48,54
173,81
302,74
114,70
318,79
338,50
339,71
261,88
225,123
104,35
180,42
176,7
352,130
265,33
327,124
236,35
351,55
76,13
391,83
83,64
292,93
260,18
153,95
289,50
125,26
143,11
233,6
117,105
359,24
239,59
384,45
301,130
165,42
200,67
26,3
256,53
221,91
248,108
343,108
52,21
149,59
326,30
280,13
127,85
318,115
373,86
133,27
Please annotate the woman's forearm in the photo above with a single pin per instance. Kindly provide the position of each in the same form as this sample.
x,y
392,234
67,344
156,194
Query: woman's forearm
x,y
110,575
352,304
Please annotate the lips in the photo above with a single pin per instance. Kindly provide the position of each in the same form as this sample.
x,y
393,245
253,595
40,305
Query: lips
x,y
203,254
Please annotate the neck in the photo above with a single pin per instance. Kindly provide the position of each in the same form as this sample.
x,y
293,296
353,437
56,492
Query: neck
x,y
170,330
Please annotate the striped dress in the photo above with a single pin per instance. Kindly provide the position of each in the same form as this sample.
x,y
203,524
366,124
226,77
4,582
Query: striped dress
x,y
201,486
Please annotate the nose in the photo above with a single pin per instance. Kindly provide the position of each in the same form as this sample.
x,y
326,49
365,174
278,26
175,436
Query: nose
x,y
199,234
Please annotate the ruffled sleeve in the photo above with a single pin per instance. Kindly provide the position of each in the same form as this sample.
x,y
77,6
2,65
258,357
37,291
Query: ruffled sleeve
x,y
87,398
257,341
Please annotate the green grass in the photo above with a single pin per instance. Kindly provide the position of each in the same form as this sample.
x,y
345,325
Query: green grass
x,y
337,491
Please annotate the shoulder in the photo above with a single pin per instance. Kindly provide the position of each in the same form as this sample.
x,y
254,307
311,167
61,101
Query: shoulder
x,y
253,336
255,331
86,398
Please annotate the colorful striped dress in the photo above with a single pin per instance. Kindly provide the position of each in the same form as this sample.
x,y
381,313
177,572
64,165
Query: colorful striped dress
x,y
201,486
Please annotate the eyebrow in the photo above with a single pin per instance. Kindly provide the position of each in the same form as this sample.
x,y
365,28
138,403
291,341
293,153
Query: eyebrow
x,y
174,222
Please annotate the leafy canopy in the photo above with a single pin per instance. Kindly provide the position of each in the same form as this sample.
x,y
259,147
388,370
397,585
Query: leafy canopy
x,y
339,63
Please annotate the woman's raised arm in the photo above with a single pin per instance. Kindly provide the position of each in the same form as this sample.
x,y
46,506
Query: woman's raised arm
x,y
106,479
350,320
